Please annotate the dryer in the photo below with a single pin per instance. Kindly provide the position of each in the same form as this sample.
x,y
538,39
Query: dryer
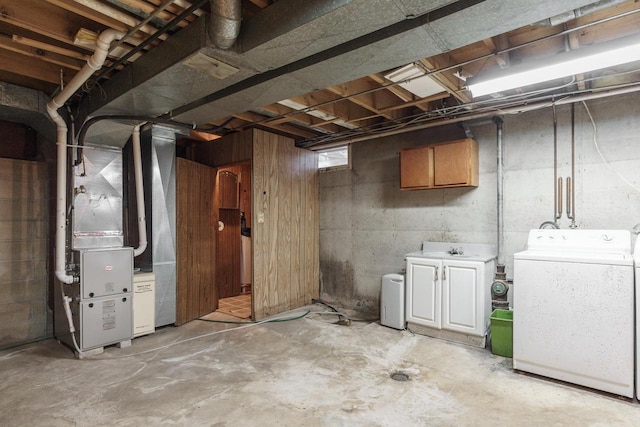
x,y
574,308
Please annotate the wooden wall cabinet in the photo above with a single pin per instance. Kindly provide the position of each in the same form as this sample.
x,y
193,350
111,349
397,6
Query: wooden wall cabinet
x,y
449,164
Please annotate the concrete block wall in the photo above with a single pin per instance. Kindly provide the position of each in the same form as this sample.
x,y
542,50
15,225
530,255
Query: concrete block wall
x,y
24,220
367,224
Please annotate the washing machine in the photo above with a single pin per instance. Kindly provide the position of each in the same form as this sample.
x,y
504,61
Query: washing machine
x,y
574,308
636,263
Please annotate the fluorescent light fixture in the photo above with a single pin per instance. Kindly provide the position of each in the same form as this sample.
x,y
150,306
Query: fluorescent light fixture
x,y
562,65
417,82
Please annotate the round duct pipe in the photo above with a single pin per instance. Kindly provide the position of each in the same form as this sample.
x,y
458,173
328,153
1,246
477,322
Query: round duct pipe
x,y
224,25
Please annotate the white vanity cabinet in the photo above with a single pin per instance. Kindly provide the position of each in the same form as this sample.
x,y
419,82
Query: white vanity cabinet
x,y
449,297
424,292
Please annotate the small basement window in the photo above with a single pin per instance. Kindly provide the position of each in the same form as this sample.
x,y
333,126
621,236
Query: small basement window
x,y
334,158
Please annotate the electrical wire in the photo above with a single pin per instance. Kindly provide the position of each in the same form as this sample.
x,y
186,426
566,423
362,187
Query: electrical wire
x,y
233,322
606,162
336,312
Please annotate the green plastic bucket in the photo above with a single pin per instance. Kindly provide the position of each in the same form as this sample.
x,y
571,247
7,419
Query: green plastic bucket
x,y
502,332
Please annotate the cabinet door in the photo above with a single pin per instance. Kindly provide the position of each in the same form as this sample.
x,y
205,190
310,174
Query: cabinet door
x,y
463,297
416,166
451,163
423,292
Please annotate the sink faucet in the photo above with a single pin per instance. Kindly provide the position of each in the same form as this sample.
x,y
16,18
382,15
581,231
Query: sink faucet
x,y
456,251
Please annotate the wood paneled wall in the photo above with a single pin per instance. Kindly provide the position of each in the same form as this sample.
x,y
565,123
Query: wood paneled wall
x,y
234,148
23,250
196,227
285,193
285,244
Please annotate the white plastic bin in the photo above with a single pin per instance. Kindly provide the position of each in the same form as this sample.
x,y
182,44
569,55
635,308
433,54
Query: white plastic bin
x,y
392,301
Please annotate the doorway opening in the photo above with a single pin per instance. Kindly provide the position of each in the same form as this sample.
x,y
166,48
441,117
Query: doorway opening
x,y
234,250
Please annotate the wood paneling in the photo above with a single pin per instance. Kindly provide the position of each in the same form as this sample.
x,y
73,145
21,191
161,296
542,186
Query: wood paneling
x,y
228,255
23,251
196,224
18,141
285,245
234,148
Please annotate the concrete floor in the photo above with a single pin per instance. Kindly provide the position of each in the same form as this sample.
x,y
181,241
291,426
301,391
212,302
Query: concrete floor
x,y
307,372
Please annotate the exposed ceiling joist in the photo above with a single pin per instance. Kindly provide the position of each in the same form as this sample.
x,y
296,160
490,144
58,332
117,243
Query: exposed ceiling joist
x,y
39,41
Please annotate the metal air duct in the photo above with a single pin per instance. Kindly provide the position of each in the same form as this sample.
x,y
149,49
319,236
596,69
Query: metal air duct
x,y
93,63
224,26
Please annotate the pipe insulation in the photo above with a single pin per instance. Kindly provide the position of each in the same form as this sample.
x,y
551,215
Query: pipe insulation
x,y
137,170
93,64
224,27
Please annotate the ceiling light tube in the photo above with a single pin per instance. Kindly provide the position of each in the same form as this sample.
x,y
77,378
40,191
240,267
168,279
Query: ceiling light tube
x,y
563,65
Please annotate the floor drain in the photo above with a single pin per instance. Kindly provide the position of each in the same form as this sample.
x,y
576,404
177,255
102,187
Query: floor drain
x,y
399,376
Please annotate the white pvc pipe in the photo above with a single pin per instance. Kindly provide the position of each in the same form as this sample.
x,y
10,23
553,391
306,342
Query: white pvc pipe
x,y
93,64
137,170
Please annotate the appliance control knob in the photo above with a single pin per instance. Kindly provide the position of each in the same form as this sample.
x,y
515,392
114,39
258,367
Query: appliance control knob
x,y
124,300
124,290
90,305
607,237
90,294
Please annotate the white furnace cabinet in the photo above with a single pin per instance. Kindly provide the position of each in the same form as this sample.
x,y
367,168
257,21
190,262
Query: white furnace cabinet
x,y
449,298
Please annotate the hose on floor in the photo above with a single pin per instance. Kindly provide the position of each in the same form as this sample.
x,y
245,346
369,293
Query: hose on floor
x,y
233,322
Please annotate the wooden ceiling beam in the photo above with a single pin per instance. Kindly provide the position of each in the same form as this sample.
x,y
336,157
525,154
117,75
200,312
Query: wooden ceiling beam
x,y
50,48
44,19
419,102
401,93
291,115
50,57
498,43
30,67
107,16
375,100
294,116
26,81
252,118
182,4
448,80
329,103
149,8
46,23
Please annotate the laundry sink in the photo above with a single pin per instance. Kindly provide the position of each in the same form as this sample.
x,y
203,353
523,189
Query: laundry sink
x,y
442,251
444,254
